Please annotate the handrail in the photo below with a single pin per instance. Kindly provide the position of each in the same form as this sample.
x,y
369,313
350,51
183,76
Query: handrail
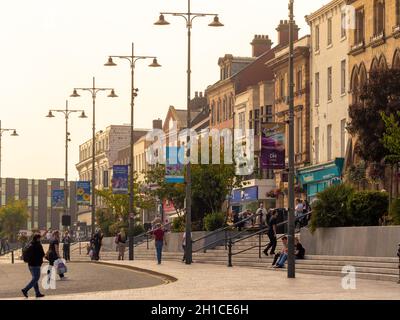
x,y
11,251
227,227
147,233
260,232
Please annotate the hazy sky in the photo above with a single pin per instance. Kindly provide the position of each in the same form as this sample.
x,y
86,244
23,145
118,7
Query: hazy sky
x,y
49,47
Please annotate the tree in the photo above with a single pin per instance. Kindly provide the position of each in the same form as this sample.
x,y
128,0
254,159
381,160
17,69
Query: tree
x,y
391,137
380,95
116,215
13,218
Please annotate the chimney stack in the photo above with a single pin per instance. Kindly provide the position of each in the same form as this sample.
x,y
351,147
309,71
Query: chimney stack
x,y
157,124
260,45
283,33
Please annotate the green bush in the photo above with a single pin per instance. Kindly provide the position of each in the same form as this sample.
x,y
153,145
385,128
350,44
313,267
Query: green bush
x,y
178,224
214,221
395,211
138,229
367,207
330,207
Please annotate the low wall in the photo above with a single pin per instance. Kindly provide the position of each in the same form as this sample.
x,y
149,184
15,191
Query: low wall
x,y
174,241
352,241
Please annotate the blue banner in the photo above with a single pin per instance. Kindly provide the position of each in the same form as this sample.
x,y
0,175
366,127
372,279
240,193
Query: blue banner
x,y
83,193
57,199
120,179
174,167
247,194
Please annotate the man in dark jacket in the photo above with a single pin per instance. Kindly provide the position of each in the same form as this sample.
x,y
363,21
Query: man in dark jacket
x,y
33,255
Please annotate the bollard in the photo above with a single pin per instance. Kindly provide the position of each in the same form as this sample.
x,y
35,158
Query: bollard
x,y
259,246
230,253
147,239
12,257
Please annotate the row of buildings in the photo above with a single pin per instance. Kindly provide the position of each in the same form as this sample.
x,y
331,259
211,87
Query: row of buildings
x,y
347,39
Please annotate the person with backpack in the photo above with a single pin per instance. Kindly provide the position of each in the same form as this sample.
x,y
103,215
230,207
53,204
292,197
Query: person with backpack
x,y
120,241
33,255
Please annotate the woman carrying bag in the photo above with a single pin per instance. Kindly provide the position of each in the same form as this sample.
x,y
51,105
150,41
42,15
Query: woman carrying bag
x,y
53,255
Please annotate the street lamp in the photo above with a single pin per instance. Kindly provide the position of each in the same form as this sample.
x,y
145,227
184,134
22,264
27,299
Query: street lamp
x,y
93,90
67,112
291,216
132,59
189,17
13,134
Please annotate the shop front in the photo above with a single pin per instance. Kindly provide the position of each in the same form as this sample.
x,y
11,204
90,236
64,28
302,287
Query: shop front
x,y
242,199
317,178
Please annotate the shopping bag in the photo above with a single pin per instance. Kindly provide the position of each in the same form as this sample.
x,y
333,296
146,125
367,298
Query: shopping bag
x,y
60,266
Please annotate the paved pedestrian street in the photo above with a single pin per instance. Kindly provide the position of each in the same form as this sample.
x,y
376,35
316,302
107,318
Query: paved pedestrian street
x,y
205,282
81,278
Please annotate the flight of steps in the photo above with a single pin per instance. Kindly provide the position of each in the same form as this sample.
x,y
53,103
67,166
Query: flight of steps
x,y
371,268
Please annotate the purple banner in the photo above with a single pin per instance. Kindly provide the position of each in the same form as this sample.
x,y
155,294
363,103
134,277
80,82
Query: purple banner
x,y
273,146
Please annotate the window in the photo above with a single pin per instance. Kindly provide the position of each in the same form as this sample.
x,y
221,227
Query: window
x,y
379,17
299,80
282,88
359,35
343,138
224,110
329,31
268,111
242,123
256,121
398,12
343,24
329,142
329,83
316,38
251,119
317,88
219,112
299,135
343,77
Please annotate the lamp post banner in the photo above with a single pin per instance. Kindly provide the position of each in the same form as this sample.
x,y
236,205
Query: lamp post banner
x,y
57,199
273,146
83,193
120,179
174,166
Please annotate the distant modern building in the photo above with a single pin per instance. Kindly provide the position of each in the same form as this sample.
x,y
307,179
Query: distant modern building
x,y
37,195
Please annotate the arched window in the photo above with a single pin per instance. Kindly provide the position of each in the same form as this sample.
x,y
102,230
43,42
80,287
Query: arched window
x,y
354,85
379,17
382,63
224,111
213,112
219,111
396,59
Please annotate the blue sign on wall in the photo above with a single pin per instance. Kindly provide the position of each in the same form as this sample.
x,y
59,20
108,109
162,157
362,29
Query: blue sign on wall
x,y
246,194
57,199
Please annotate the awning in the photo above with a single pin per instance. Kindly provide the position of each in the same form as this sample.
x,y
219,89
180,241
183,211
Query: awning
x,y
322,172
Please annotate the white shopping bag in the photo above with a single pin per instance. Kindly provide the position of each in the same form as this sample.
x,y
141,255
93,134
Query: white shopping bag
x,y
61,266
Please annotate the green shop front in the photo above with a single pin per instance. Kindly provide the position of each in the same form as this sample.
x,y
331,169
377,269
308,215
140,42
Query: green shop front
x,y
317,178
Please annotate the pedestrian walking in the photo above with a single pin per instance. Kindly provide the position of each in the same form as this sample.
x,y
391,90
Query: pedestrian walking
x,y
97,242
53,253
2,247
261,215
120,241
160,240
33,255
67,240
272,234
184,245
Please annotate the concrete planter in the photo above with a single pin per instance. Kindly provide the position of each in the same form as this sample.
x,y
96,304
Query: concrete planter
x,y
352,241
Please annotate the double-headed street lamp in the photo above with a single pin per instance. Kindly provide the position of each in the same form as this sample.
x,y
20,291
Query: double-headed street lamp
x,y
132,61
189,17
13,134
67,112
93,90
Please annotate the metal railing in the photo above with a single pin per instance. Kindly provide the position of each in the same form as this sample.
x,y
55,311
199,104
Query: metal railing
x,y
232,241
225,230
12,252
147,236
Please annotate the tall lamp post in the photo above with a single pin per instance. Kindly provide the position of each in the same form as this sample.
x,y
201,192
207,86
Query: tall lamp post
x,y
291,217
189,17
93,90
132,59
13,134
66,112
